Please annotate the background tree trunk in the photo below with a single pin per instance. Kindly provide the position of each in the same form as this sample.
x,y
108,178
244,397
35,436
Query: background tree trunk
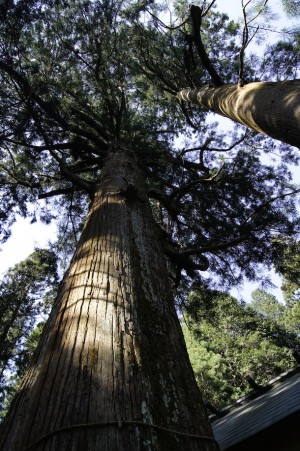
x,y
112,371
266,107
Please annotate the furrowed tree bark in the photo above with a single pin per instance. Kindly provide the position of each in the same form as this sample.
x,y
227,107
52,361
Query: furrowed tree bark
x,y
272,108
111,372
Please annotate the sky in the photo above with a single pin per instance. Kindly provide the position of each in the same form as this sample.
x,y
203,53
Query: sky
x,y
234,7
26,237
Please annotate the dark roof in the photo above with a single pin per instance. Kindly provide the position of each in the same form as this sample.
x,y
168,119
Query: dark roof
x,y
247,417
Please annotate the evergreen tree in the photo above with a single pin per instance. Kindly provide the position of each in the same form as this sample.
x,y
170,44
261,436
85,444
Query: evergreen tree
x,y
287,265
88,122
26,293
292,7
229,341
267,305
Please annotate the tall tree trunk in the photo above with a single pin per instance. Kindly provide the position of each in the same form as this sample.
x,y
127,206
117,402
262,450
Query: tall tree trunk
x,y
112,372
266,107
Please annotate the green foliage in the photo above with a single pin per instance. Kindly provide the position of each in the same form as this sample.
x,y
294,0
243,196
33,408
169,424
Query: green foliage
x,y
267,305
211,369
26,295
12,376
292,7
287,264
292,317
282,62
228,340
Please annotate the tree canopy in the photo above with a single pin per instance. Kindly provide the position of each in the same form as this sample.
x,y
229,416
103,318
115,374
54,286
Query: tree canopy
x,y
77,77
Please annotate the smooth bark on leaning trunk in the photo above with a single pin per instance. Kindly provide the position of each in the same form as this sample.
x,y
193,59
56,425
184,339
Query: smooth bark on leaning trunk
x,y
272,108
111,372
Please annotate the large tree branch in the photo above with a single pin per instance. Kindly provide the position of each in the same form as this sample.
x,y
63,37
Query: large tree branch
x,y
50,109
89,120
186,114
61,159
56,192
190,164
170,205
272,108
78,181
23,83
178,193
157,73
196,16
183,259
58,146
18,180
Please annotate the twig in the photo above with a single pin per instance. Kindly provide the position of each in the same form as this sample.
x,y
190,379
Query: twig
x,y
245,40
264,204
208,8
189,121
164,25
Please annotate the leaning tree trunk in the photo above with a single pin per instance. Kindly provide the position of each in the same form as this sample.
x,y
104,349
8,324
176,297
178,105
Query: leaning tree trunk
x,y
112,372
266,107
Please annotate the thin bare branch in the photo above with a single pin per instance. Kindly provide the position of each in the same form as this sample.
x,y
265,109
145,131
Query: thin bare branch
x,y
268,202
246,40
205,147
186,114
275,31
164,25
208,8
259,11
56,192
